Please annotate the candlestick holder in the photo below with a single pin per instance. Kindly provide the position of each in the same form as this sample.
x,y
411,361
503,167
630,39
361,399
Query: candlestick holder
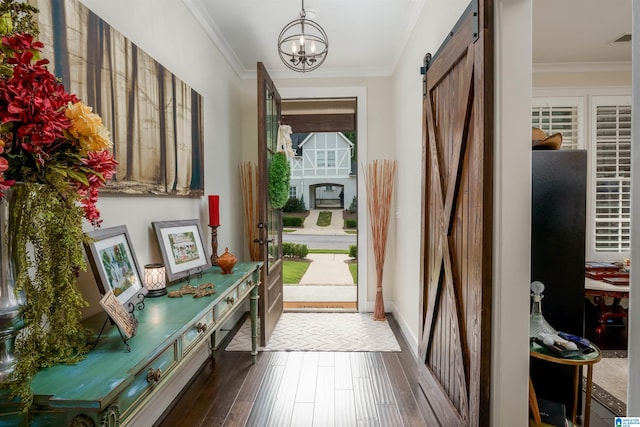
x,y
214,244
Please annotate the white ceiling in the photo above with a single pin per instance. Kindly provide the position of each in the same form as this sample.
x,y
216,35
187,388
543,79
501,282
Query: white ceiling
x,y
366,37
580,31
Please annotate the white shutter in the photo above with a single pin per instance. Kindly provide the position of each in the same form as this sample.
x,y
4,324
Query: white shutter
x,y
562,114
612,144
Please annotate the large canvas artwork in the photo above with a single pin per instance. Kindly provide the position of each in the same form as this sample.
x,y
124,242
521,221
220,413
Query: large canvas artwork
x,y
154,117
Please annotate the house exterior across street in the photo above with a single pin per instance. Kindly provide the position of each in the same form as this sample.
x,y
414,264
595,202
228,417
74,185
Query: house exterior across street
x,y
323,170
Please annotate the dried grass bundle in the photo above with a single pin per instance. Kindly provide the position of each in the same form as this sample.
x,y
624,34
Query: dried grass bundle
x,y
249,184
379,178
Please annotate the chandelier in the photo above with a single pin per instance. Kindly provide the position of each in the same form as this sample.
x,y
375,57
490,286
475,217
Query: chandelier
x,y
303,44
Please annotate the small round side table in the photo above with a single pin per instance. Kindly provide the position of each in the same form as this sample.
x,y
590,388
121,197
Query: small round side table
x,y
587,360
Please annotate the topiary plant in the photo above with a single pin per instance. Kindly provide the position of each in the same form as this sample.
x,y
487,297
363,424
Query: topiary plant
x,y
279,177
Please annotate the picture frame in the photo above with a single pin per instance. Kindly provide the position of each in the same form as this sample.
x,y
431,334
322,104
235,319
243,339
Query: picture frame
x,y
115,265
182,247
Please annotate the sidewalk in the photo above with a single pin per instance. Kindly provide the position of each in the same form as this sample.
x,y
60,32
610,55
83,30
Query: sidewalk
x,y
326,280
327,269
333,229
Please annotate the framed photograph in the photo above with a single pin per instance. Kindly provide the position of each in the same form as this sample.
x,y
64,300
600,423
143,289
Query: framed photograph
x,y
182,247
115,266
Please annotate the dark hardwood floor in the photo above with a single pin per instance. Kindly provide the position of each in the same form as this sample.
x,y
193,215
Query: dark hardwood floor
x,y
311,389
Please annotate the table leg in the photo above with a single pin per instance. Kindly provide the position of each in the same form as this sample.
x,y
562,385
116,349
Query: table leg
x,y
576,390
253,310
587,405
533,403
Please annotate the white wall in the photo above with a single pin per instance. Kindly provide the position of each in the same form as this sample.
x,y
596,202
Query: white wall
x,y
512,213
167,31
435,22
600,76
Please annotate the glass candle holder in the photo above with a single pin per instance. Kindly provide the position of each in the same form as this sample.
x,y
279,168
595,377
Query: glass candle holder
x,y
155,279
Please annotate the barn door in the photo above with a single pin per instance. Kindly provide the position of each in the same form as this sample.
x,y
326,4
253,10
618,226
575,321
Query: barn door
x,y
455,343
270,219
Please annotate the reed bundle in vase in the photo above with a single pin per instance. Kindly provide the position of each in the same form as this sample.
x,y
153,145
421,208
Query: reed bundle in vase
x,y
379,178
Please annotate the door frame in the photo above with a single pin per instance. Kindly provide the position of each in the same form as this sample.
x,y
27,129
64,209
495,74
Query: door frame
x,y
360,93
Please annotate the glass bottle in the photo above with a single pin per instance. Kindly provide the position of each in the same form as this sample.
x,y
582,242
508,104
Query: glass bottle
x,y
537,323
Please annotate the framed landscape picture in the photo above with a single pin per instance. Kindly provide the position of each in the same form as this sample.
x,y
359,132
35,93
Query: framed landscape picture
x,y
182,247
115,266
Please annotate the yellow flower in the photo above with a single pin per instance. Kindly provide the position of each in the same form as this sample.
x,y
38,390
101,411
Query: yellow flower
x,y
87,127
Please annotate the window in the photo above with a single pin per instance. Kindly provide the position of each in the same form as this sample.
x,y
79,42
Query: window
x,y
612,143
293,192
562,115
331,159
605,131
326,158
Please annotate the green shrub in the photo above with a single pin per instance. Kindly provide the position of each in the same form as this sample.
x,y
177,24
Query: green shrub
x,y
351,223
301,250
279,177
294,205
297,250
353,251
353,207
292,221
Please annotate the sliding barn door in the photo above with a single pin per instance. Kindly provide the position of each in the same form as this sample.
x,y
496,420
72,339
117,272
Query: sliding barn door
x,y
455,343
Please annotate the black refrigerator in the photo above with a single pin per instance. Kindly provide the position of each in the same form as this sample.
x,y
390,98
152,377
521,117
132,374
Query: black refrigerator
x,y
559,208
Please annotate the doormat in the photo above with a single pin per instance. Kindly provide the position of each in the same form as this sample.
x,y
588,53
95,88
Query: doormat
x,y
610,381
322,332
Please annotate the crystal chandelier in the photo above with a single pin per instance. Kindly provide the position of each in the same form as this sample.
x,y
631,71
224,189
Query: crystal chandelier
x,y
303,44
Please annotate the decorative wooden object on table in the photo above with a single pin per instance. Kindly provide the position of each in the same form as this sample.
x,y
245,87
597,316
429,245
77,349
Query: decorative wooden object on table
x,y
214,223
379,178
174,335
587,360
226,261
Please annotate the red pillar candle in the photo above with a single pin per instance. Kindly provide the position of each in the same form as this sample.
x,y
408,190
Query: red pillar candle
x,y
214,210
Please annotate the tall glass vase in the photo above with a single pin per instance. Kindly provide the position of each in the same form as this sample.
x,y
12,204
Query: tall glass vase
x,y
10,304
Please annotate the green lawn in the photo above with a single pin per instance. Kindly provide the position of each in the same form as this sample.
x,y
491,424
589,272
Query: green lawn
x,y
353,269
324,219
292,271
328,251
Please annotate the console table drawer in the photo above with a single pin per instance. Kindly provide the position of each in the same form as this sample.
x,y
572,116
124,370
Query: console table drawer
x,y
146,380
196,332
245,287
225,305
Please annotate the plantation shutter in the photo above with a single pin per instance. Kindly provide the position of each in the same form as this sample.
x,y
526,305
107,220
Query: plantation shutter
x,y
562,115
612,141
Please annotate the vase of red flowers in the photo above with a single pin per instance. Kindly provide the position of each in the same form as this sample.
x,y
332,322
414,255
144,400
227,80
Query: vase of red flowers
x,y
58,150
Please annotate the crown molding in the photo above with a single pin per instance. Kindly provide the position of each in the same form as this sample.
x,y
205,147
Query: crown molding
x,y
208,24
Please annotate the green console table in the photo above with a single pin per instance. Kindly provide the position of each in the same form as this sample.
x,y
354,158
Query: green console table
x,y
112,387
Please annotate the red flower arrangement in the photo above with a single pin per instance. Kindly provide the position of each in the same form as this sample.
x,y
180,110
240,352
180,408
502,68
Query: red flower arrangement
x,y
47,135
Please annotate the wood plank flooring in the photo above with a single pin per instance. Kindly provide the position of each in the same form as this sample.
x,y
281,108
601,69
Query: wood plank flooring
x,y
300,389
